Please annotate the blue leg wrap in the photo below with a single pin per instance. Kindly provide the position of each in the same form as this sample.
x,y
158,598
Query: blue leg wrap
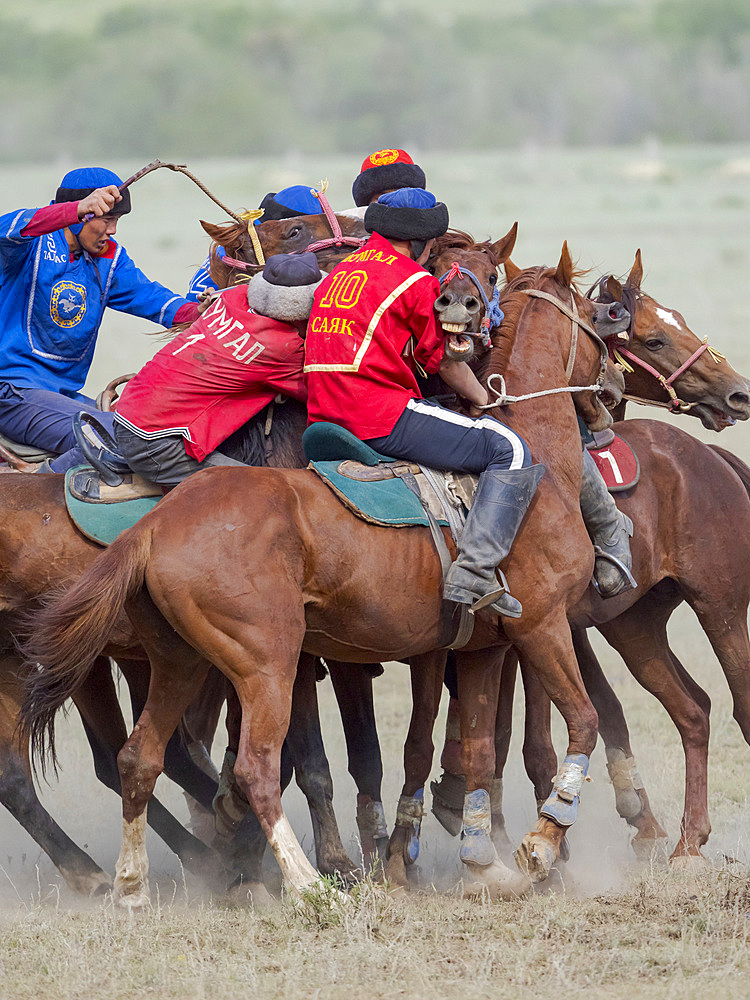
x,y
409,815
476,843
562,805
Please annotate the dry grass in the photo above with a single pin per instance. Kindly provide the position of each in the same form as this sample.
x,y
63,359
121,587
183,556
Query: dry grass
x,y
664,936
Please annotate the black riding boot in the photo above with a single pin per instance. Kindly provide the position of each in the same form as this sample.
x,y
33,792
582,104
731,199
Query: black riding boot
x,y
500,503
609,529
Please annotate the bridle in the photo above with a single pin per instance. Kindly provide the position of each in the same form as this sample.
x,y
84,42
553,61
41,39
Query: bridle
x,y
576,323
626,359
493,314
337,239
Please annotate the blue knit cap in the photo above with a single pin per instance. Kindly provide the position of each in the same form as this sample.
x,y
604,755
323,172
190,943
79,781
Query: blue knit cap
x,y
288,203
409,198
78,183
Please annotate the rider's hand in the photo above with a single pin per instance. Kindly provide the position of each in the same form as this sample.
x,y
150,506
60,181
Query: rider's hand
x,y
205,299
99,202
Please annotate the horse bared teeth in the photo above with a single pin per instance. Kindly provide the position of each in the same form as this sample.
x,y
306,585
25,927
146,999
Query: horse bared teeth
x,y
454,327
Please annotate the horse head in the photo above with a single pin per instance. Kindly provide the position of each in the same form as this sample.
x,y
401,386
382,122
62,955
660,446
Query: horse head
x,y
278,236
663,356
573,342
468,275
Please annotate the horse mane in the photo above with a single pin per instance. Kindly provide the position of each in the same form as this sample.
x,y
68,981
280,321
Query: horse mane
x,y
456,239
248,444
512,302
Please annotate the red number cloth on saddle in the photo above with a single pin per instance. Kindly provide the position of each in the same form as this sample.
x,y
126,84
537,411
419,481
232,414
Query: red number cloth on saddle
x,y
618,464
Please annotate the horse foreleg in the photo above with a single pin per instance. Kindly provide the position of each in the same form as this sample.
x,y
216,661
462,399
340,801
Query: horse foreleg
x,y
548,650
199,725
503,732
631,799
305,743
426,687
479,676
352,685
725,624
640,637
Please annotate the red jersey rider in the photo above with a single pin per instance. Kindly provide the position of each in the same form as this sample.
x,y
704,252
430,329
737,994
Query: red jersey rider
x,y
213,377
364,313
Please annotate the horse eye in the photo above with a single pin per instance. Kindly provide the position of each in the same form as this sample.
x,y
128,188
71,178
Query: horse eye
x,y
295,231
492,279
654,344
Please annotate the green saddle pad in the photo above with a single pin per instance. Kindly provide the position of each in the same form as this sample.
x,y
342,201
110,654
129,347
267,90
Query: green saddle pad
x,y
103,522
386,501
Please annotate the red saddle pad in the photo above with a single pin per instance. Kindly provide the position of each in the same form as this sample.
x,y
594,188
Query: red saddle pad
x,y
618,465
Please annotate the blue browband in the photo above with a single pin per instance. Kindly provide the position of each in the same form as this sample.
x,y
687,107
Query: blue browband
x,y
493,314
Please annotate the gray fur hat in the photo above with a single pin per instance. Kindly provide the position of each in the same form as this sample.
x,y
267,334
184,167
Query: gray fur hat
x,y
285,288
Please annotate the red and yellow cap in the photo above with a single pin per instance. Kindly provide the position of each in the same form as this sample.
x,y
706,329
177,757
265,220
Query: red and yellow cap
x,y
386,170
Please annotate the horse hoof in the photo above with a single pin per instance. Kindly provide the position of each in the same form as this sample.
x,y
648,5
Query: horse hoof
x,y
650,850
134,902
494,880
690,864
341,869
535,857
395,871
93,884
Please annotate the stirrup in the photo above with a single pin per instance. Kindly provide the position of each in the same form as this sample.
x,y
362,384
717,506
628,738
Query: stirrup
x,y
627,575
496,595
99,448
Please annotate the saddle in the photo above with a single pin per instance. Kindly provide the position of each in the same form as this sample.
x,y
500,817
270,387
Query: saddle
x,y
393,493
615,460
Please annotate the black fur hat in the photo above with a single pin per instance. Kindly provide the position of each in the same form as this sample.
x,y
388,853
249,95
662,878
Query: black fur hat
x,y
407,214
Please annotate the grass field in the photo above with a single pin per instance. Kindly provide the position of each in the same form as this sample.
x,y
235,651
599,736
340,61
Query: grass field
x,y
607,927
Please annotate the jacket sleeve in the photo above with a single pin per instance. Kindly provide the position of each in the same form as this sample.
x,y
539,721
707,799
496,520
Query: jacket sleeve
x,y
429,347
132,292
14,248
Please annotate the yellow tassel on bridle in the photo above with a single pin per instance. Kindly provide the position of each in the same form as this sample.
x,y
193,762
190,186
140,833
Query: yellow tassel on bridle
x,y
249,218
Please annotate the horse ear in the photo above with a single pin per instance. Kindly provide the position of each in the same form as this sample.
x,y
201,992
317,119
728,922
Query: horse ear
x,y
614,288
636,272
229,237
564,272
503,248
511,271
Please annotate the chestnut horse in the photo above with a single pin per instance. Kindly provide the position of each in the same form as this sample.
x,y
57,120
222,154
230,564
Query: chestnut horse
x,y
298,587
672,565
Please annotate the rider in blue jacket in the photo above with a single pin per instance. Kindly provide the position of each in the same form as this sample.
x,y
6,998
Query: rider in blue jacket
x,y
57,276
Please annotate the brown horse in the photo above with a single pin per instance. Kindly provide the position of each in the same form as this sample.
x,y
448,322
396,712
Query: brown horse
x,y
297,587
672,567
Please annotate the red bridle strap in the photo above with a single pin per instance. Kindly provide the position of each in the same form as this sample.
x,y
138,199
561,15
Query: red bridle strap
x,y
676,402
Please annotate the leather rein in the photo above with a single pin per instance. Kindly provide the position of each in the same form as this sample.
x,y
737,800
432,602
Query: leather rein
x,y
620,354
576,324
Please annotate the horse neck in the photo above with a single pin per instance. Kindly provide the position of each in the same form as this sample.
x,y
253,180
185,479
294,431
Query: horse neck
x,y
281,447
536,361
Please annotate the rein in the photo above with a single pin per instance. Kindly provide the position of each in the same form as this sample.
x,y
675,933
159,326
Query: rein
x,y
502,397
493,314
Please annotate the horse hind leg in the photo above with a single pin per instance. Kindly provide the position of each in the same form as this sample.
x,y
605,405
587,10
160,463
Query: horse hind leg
x,y
18,795
640,637
631,799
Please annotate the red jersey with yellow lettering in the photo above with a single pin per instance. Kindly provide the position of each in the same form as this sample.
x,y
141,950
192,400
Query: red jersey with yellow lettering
x,y
362,318
214,376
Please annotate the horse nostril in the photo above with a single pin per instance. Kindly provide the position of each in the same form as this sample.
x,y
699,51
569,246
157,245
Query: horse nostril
x,y
471,304
739,400
444,301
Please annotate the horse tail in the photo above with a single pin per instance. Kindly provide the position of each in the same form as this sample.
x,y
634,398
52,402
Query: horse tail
x,y
736,464
65,637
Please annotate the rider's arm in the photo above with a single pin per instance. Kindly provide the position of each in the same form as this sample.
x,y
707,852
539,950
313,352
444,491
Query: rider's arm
x,y
462,379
